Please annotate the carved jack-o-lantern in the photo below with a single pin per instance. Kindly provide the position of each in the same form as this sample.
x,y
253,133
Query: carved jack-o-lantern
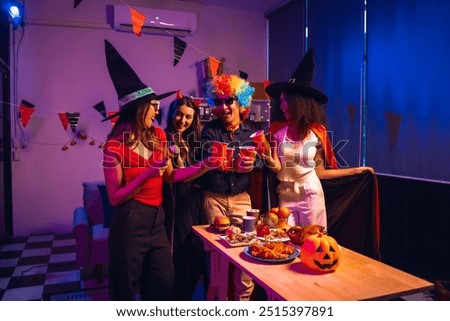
x,y
320,252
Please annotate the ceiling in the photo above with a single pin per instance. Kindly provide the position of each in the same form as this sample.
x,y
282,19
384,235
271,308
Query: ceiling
x,y
254,5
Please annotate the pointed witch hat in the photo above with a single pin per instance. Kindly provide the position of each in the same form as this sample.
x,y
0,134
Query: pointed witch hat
x,y
131,91
300,82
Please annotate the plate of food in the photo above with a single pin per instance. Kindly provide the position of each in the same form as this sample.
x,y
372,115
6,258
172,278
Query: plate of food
x,y
271,252
275,235
238,239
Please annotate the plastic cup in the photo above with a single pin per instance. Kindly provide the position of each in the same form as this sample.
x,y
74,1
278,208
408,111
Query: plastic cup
x,y
248,151
253,212
249,223
219,152
261,142
228,165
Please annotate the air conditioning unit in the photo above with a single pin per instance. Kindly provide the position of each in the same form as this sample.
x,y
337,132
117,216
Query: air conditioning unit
x,y
157,22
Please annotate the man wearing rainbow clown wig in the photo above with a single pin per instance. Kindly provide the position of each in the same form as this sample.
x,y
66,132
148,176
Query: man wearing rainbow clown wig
x,y
226,188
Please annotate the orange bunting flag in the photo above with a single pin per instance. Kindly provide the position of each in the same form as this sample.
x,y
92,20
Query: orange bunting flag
x,y
213,66
26,109
64,120
114,119
137,19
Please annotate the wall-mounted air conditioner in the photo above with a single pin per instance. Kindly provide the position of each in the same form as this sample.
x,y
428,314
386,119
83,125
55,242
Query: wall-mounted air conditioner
x,y
158,21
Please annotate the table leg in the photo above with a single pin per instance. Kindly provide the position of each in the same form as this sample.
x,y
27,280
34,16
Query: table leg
x,y
218,283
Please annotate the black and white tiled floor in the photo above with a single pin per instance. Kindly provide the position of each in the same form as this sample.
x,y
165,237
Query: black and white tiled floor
x,y
40,267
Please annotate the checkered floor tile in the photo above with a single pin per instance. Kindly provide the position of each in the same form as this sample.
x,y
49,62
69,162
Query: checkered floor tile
x,y
41,266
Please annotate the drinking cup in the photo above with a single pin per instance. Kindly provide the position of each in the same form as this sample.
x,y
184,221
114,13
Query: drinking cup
x,y
248,151
219,152
259,138
249,223
254,212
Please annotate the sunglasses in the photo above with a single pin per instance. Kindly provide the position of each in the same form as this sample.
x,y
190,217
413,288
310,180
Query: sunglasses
x,y
156,105
227,101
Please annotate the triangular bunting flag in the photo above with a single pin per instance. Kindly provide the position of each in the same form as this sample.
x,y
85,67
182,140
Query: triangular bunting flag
x,y
137,19
100,107
393,124
179,46
26,109
76,3
243,75
212,67
73,120
114,119
351,109
64,120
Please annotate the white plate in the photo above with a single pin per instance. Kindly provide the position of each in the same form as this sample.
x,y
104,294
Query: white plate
x,y
275,239
289,258
237,244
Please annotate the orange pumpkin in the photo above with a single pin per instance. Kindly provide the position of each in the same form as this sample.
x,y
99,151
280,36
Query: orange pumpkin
x,y
320,252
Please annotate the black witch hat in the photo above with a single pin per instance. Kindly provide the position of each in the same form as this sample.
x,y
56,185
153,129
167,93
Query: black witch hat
x,y
131,91
300,81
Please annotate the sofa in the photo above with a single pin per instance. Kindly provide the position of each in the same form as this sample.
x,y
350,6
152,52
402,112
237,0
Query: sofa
x,y
91,228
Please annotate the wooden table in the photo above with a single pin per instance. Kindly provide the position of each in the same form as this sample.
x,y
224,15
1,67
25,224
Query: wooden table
x,y
357,278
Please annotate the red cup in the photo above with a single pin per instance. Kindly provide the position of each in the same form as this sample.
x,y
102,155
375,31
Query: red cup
x,y
219,153
261,142
248,151
228,165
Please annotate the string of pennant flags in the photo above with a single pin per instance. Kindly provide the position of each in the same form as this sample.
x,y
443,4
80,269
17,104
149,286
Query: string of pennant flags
x,y
213,67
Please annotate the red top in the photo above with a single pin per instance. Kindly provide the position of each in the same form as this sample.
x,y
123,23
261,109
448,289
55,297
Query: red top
x,y
133,164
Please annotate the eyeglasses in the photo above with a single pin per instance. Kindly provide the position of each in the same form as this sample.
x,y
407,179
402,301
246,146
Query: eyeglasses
x,y
156,105
227,101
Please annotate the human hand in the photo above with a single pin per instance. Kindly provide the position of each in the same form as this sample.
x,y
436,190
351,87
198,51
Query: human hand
x,y
158,168
243,164
362,169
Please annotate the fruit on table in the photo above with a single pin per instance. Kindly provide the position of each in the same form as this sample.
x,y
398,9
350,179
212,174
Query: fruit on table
x,y
262,230
283,212
271,219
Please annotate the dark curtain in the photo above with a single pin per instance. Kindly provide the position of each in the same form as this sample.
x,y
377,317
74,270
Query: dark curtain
x,y
352,210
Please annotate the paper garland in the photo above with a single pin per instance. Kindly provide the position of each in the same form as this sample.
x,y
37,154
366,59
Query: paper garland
x,y
179,46
26,110
137,20
100,107
69,119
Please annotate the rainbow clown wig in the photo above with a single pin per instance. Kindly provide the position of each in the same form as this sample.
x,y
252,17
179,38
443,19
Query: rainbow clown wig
x,y
231,86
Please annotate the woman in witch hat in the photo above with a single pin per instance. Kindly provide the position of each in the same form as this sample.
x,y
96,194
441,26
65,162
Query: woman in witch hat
x,y
302,153
135,164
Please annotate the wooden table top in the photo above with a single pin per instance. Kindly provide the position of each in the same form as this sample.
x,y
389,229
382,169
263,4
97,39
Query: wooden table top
x,y
357,278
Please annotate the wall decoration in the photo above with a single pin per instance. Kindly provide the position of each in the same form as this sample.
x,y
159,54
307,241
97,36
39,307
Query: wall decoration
x,y
137,19
26,110
179,46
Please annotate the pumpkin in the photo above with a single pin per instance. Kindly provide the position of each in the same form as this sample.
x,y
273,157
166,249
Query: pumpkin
x,y
320,252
